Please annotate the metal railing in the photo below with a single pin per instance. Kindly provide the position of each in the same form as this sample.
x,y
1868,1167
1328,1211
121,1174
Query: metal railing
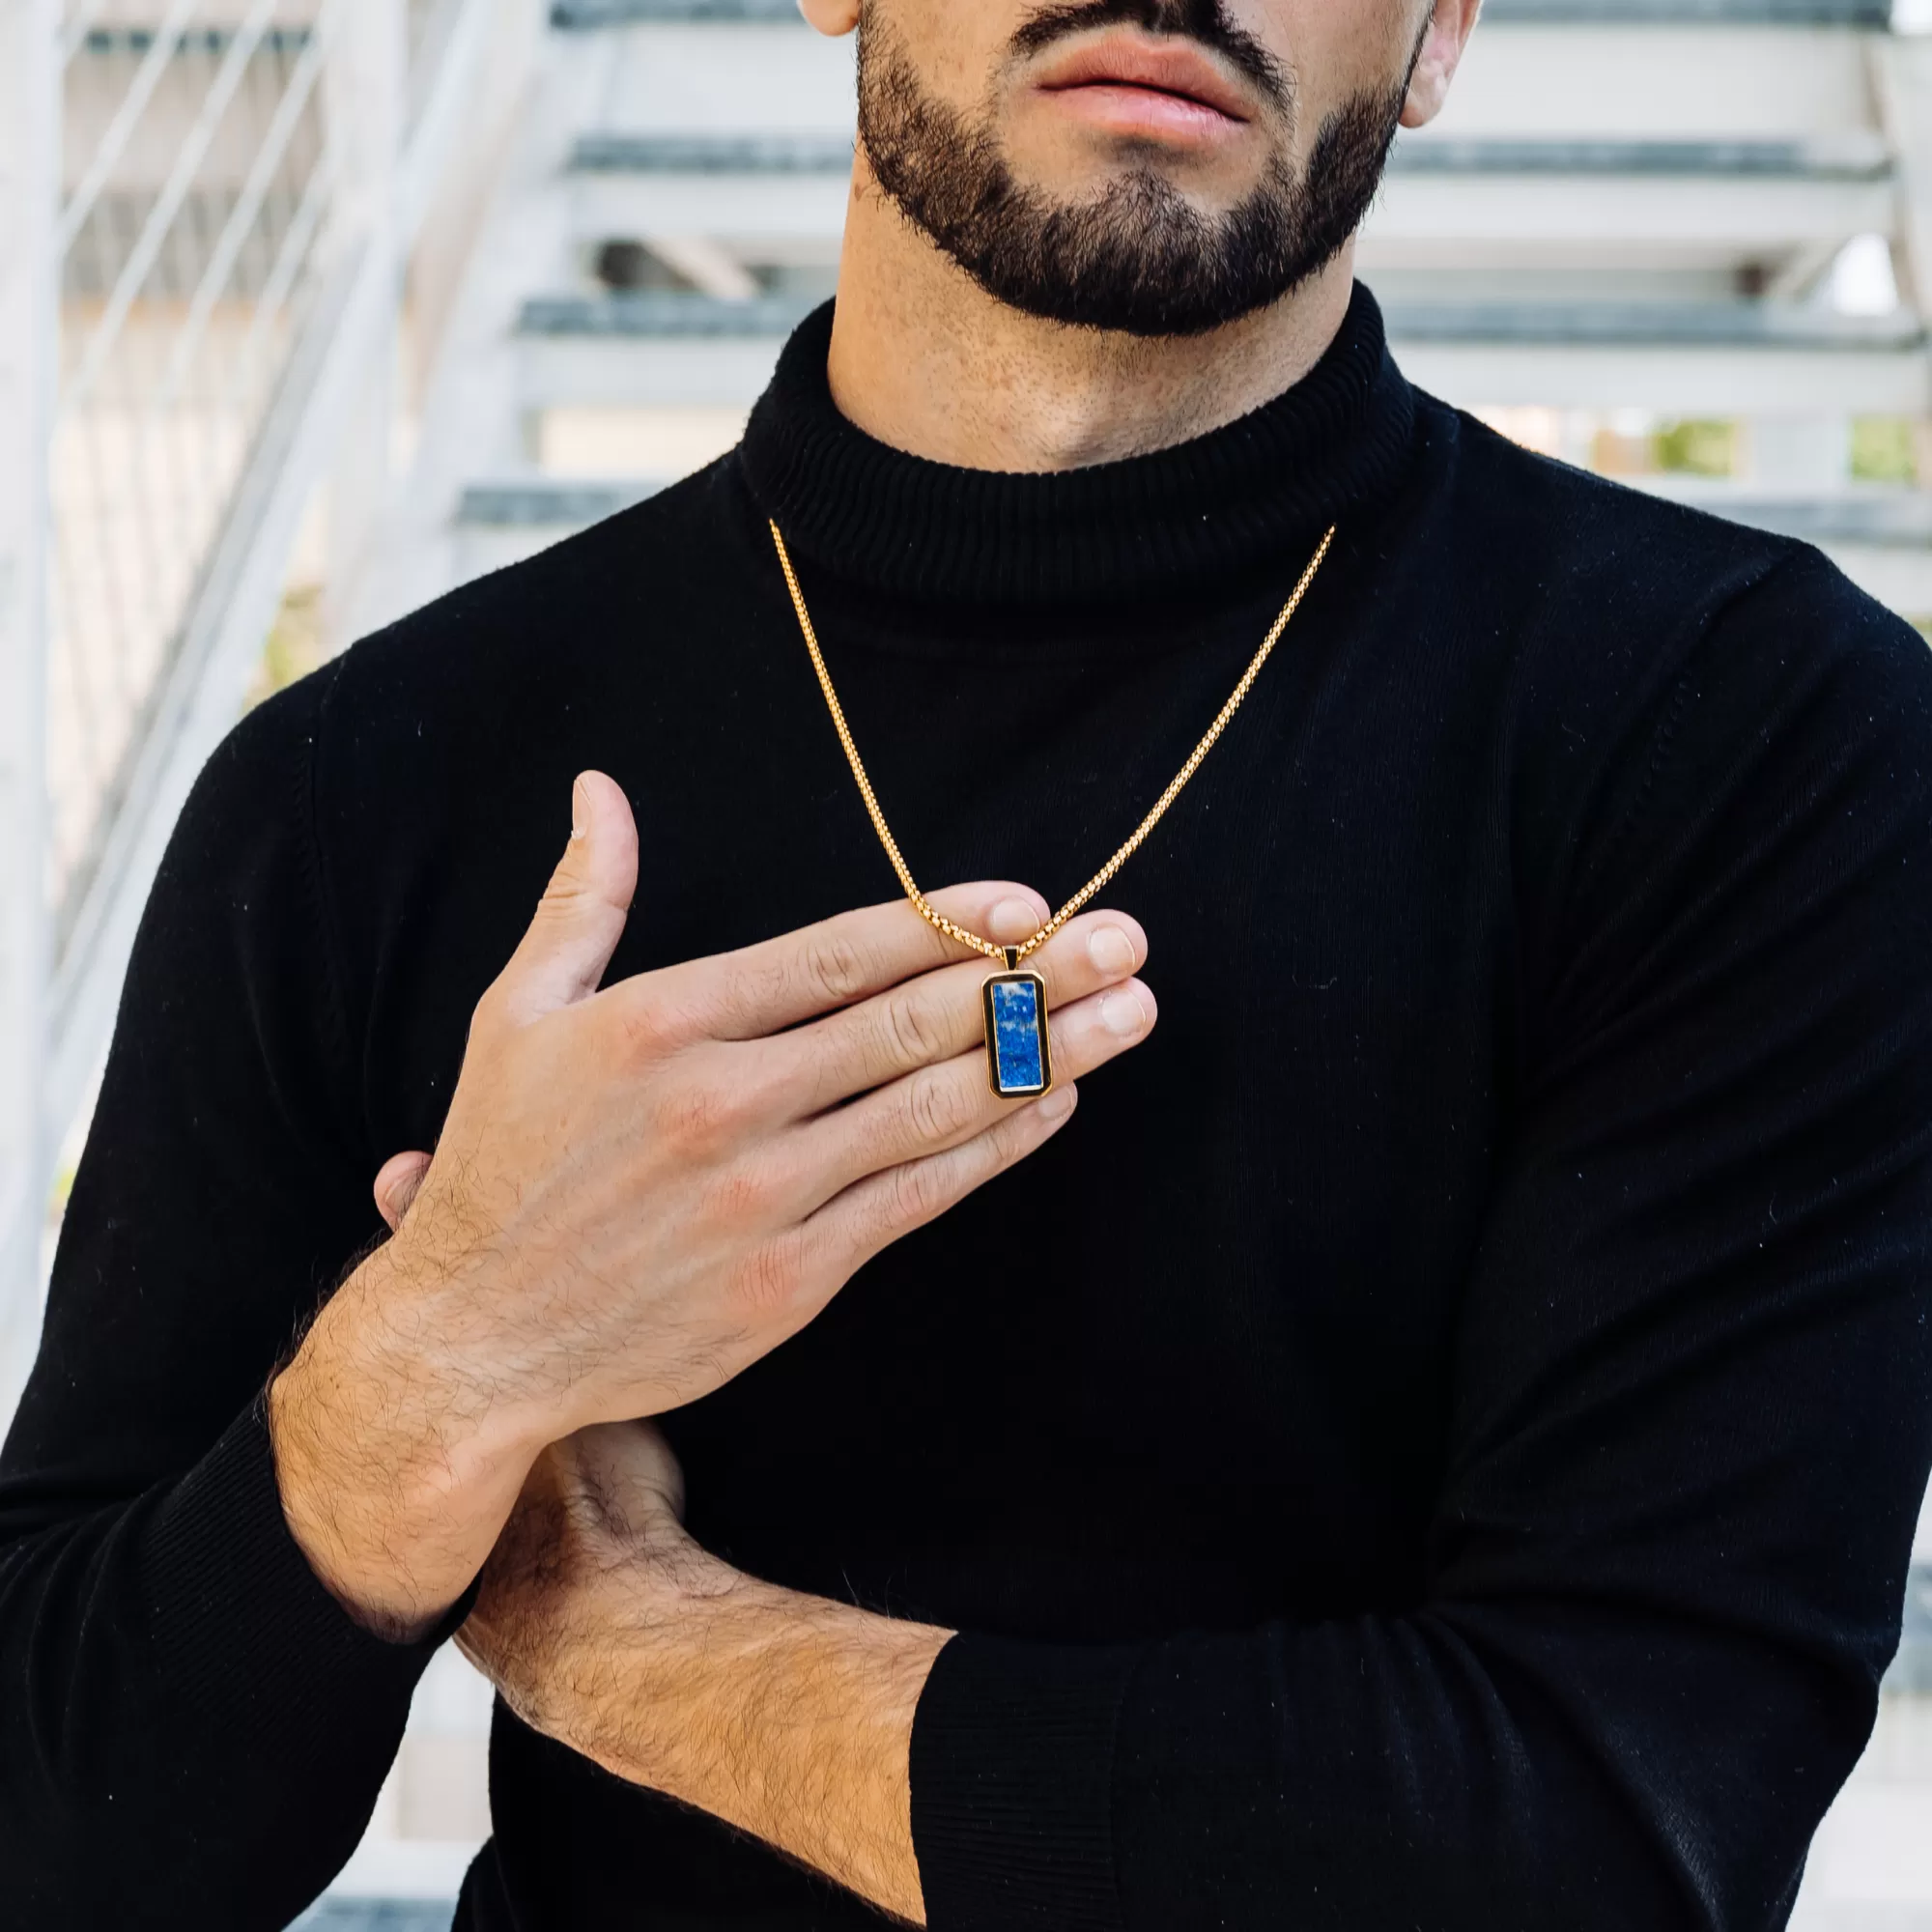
x,y
228,193
192,241
244,181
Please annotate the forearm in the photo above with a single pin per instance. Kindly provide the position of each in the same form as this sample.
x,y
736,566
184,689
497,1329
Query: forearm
x,y
399,1454
787,1715
791,1717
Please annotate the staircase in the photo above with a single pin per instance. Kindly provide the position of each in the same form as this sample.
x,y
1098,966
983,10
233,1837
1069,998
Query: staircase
x,y
1580,265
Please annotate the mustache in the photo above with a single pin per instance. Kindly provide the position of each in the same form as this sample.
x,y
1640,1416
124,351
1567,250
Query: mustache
x,y
1204,21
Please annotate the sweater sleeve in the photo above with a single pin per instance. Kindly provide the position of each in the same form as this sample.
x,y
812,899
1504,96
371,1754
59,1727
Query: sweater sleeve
x,y
1691,1415
192,1729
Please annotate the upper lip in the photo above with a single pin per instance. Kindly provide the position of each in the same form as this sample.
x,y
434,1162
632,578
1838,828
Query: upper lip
x,y
1171,67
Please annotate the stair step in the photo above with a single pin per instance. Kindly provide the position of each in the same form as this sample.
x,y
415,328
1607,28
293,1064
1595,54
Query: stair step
x,y
711,153
1728,161
1579,206
377,1915
543,502
578,14
661,315
1862,14
1733,325
1865,15
1912,1668
654,349
611,152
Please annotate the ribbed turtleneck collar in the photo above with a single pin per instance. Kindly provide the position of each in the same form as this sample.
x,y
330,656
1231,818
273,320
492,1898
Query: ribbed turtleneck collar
x,y
1148,526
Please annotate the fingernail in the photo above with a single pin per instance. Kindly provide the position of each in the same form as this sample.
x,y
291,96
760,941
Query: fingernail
x,y
1111,949
1013,918
1059,1103
580,810
1122,1016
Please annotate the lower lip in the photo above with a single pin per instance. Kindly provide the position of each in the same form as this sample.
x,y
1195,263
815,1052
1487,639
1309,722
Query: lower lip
x,y
1145,112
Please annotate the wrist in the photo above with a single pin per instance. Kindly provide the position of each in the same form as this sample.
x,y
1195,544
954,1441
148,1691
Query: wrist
x,y
774,1711
816,1701
398,1455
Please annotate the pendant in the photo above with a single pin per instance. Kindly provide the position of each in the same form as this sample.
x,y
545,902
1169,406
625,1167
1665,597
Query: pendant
x,y
1019,1064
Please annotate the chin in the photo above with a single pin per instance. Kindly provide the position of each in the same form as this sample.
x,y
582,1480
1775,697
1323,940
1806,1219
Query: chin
x,y
1123,167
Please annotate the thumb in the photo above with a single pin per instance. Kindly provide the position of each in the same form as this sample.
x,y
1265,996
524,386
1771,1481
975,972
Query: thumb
x,y
580,918
630,1470
397,1182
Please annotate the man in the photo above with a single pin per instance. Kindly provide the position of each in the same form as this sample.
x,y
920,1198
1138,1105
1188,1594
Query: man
x,y
1435,1442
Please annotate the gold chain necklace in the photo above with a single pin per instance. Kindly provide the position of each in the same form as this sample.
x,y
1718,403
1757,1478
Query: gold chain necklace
x,y
1019,1062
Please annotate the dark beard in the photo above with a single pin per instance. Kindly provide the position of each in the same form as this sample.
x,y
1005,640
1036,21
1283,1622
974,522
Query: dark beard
x,y
1138,258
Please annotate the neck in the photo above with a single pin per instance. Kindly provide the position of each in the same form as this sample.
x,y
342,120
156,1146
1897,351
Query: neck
x,y
924,360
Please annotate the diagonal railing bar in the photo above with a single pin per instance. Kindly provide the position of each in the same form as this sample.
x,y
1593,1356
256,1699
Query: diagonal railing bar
x,y
237,231
290,258
86,912
313,322
431,28
180,178
292,255
120,129
288,265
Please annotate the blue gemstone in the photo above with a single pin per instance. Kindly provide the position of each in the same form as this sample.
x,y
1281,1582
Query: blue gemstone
x,y
1016,1043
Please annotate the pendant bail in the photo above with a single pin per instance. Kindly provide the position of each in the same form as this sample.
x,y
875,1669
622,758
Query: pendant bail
x,y
1012,953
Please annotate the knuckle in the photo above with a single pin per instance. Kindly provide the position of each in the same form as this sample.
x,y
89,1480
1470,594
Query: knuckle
x,y
911,1032
918,1193
643,1027
1010,1140
833,967
935,1108
737,1196
773,1274
702,1116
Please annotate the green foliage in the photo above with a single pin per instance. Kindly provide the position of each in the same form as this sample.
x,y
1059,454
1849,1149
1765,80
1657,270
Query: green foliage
x,y
1697,446
293,647
1882,450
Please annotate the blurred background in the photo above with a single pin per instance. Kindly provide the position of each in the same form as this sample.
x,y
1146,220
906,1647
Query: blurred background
x,y
312,310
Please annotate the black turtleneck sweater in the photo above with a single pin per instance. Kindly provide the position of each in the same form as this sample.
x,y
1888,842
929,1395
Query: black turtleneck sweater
x,y
1436,1444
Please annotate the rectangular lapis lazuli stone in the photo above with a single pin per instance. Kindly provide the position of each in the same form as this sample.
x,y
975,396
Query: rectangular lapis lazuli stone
x,y
1019,1050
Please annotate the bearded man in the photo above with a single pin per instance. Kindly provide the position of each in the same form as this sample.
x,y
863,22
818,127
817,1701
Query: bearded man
x,y
1435,1443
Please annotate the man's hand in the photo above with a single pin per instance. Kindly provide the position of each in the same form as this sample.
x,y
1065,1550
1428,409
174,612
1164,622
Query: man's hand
x,y
638,1192
607,1628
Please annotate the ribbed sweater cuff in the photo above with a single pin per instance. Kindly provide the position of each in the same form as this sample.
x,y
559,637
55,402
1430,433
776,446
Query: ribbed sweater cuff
x,y
241,1623
1013,1759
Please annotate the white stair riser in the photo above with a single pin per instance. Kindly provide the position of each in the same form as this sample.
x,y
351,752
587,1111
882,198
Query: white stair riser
x,y
1451,220
1662,220
1644,81
1720,380
713,372
1716,380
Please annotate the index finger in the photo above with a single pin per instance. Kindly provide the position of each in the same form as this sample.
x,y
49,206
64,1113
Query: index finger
x,y
779,983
